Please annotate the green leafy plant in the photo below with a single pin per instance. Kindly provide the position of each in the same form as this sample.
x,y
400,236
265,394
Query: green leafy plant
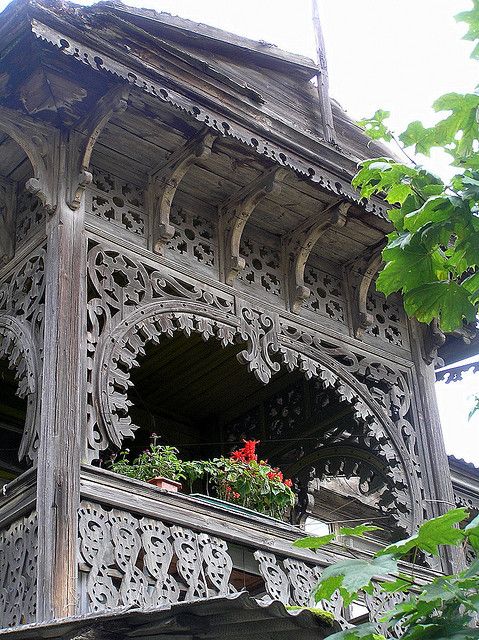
x,y
447,607
432,257
156,461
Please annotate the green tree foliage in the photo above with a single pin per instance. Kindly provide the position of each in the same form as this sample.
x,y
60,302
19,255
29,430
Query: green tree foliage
x,y
447,607
432,257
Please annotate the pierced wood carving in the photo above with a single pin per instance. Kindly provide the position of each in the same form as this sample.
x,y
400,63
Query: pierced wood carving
x,y
165,180
235,213
7,220
18,568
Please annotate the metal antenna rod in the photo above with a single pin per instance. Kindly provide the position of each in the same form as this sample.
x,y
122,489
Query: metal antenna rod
x,y
323,78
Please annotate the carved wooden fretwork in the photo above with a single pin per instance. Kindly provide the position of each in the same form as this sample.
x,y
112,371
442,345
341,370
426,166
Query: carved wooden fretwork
x,y
7,220
165,180
194,240
299,246
326,297
235,213
18,567
84,137
263,267
21,337
137,561
387,320
29,218
40,143
133,303
118,203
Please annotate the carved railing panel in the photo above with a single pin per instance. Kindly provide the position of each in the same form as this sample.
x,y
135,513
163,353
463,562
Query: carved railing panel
x,y
118,203
18,566
129,560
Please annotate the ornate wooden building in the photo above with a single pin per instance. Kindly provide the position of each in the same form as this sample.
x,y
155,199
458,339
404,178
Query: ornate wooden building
x,y
182,253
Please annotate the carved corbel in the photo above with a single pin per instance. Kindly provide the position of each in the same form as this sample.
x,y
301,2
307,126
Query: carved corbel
x,y
298,248
165,180
84,137
362,318
235,213
40,142
434,338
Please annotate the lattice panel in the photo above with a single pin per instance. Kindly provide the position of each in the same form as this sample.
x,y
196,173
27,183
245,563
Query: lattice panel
x,y
327,296
118,202
143,562
389,320
194,238
263,267
29,217
18,572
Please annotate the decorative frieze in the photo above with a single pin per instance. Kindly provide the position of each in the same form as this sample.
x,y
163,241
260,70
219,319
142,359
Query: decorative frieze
x,y
263,272
388,320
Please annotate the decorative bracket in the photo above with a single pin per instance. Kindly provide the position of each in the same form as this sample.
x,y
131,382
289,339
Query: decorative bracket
x,y
41,144
84,137
434,338
298,248
165,180
362,318
235,213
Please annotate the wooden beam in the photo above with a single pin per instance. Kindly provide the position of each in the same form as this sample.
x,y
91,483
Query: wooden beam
x,y
299,245
165,180
235,213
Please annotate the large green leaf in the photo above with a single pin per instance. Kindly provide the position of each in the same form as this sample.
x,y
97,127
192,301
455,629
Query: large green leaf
x,y
407,268
447,301
375,127
314,542
350,576
431,534
365,631
471,18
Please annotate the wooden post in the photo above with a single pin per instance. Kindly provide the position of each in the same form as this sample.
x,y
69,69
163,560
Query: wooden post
x,y
436,462
61,412
323,78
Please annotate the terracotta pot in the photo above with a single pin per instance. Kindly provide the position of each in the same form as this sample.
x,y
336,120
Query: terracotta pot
x,y
166,484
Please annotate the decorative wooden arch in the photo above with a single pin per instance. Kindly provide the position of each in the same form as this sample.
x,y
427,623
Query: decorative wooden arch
x,y
265,351
18,348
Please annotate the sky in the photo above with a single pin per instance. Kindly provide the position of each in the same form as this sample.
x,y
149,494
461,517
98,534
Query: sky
x,y
398,55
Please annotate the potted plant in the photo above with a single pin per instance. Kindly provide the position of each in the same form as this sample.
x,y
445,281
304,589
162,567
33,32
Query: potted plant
x,y
158,465
244,480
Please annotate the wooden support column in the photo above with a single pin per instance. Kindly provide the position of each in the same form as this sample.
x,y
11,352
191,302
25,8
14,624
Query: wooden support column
x,y
62,413
438,475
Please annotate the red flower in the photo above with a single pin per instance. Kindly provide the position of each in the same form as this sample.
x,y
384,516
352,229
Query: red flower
x,y
271,475
246,453
236,495
288,483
